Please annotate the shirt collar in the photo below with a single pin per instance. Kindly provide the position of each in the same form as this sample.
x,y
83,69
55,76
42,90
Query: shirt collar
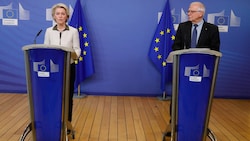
x,y
200,23
66,28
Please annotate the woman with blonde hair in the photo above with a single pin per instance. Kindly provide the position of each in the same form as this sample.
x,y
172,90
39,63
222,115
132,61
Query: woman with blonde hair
x,y
64,35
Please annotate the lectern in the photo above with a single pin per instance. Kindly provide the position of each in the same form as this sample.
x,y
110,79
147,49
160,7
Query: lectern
x,y
47,75
194,77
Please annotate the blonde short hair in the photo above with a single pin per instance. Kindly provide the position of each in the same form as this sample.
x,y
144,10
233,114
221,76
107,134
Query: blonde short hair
x,y
60,5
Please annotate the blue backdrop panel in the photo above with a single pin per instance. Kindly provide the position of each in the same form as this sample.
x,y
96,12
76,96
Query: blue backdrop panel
x,y
121,32
195,78
47,73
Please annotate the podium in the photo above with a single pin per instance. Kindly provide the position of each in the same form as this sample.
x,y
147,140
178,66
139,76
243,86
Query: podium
x,y
47,76
194,78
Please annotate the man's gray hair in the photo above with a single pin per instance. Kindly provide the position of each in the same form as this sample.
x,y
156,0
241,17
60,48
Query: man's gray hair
x,y
200,5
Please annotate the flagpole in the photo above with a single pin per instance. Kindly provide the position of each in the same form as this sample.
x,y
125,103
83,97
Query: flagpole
x,y
79,95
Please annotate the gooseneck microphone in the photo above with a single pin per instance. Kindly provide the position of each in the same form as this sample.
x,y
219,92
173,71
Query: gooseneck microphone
x,y
38,33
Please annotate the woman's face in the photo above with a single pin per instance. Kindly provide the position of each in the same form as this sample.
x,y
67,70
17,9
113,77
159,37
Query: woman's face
x,y
60,16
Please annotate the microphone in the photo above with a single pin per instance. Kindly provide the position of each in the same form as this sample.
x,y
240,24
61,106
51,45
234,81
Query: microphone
x,y
37,35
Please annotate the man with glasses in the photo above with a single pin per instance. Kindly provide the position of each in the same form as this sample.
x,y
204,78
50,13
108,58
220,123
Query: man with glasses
x,y
195,33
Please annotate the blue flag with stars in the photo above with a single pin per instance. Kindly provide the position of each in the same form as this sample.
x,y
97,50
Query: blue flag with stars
x,y
161,46
84,65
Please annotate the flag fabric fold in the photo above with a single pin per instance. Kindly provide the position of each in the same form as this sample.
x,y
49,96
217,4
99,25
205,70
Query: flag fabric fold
x,y
85,64
161,46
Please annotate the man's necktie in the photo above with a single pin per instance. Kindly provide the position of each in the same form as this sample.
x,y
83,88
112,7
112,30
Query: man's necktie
x,y
194,36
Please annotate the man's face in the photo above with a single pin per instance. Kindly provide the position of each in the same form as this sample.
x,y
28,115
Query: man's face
x,y
195,15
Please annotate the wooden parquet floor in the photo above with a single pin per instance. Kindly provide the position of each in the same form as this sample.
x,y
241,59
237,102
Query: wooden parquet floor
x,y
125,118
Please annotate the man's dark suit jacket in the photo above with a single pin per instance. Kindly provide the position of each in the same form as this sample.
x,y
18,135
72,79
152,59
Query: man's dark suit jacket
x,y
209,36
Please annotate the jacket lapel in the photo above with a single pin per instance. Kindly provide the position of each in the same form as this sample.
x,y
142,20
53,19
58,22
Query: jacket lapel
x,y
203,34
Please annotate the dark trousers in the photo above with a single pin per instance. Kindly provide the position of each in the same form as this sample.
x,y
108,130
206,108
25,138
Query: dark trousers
x,y
71,90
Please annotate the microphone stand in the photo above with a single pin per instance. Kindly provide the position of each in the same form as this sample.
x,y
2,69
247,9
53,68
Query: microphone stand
x,y
37,35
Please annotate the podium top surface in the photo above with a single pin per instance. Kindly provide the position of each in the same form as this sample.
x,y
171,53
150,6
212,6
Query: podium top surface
x,y
39,46
191,51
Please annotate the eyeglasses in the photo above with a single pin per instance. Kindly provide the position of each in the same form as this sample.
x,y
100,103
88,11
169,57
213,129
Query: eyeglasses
x,y
193,11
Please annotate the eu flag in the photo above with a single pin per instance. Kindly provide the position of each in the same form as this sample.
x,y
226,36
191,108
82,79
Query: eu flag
x,y
161,46
84,65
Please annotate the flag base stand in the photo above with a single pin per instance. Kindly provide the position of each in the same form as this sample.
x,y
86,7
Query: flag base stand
x,y
78,94
164,97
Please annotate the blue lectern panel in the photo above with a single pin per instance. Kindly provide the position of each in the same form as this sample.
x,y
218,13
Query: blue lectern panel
x,y
195,78
47,73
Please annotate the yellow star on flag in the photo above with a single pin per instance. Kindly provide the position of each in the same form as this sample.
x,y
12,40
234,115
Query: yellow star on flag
x,y
76,61
86,44
84,53
80,28
84,35
173,37
159,56
156,49
157,40
162,32
168,30
164,64
80,58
